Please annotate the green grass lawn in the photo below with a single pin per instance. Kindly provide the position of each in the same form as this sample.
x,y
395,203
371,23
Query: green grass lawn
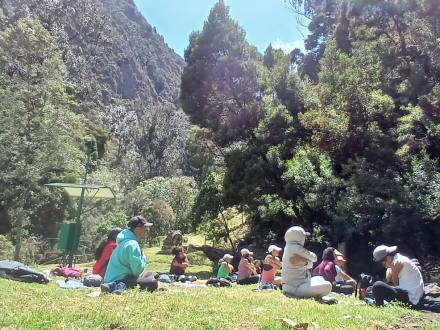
x,y
34,306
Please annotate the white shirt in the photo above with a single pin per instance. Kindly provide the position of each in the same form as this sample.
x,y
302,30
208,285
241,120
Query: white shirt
x,y
410,279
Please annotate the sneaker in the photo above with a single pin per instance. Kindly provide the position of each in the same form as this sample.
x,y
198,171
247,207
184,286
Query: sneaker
x,y
108,287
119,288
328,300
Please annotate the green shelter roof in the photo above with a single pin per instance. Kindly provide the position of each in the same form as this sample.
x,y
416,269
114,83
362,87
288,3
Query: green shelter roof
x,y
91,191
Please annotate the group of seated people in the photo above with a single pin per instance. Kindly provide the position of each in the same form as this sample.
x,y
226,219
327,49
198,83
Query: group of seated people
x,y
252,271
121,263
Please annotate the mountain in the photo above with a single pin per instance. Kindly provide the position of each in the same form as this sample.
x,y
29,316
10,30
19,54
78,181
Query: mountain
x,y
110,49
141,64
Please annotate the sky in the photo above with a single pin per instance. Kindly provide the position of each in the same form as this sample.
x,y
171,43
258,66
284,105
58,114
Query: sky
x,y
265,21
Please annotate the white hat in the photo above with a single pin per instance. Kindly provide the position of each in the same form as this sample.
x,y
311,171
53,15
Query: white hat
x,y
382,251
228,256
246,251
273,248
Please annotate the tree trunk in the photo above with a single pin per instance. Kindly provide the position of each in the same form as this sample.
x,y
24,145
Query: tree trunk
x,y
18,229
228,232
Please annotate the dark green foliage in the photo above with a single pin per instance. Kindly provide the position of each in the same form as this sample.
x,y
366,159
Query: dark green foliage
x,y
351,153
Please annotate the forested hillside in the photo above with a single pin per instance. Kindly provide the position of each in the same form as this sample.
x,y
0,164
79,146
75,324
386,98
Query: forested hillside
x,y
80,76
342,139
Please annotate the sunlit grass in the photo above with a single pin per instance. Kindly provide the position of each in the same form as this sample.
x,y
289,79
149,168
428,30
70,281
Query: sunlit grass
x,y
35,306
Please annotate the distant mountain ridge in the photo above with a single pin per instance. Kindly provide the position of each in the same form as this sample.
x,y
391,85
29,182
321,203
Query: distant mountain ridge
x,y
142,65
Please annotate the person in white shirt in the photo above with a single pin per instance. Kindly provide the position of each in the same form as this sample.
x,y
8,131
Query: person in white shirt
x,y
402,272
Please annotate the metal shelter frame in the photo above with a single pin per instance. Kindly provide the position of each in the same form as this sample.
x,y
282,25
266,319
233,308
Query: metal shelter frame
x,y
84,191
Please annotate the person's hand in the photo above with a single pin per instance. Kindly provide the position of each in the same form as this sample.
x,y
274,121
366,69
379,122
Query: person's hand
x,y
297,260
396,267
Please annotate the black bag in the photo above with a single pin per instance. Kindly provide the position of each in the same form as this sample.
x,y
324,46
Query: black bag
x,y
218,282
430,300
364,284
93,280
14,270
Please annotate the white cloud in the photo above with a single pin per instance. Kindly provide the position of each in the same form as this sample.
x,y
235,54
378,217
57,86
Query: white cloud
x,y
287,47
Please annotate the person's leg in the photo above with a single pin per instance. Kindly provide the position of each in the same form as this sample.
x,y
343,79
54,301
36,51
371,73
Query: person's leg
x,y
351,283
277,281
254,279
128,282
147,281
317,287
383,291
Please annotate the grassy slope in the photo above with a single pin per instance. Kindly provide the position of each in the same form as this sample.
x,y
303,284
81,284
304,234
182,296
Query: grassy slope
x,y
31,306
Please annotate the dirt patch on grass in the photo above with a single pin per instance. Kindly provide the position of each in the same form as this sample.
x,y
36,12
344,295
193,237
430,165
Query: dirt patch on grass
x,y
407,322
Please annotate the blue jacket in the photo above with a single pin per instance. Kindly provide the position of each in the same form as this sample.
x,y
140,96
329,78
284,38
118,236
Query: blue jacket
x,y
126,259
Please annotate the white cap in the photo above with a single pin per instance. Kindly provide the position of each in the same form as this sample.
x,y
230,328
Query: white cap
x,y
228,256
246,251
273,248
382,251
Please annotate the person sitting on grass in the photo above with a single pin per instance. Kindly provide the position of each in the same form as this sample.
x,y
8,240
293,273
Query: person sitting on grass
x,y
127,262
296,278
247,273
103,252
180,261
271,265
225,268
344,283
403,273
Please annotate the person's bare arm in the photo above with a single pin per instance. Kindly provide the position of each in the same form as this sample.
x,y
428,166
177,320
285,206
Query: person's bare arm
x,y
229,269
180,264
274,262
389,275
252,268
345,276
395,271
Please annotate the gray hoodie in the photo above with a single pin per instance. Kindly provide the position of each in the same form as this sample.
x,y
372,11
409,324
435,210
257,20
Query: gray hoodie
x,y
296,275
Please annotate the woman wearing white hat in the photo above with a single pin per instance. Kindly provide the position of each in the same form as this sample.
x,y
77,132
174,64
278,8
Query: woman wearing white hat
x,y
247,273
271,265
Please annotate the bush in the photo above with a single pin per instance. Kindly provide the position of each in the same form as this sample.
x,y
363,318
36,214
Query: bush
x,y
110,221
198,258
6,248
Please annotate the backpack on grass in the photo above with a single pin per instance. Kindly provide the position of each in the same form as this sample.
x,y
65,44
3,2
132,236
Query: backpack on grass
x,y
14,270
364,286
218,282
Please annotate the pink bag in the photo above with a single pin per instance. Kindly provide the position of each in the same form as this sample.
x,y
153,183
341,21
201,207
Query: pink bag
x,y
67,272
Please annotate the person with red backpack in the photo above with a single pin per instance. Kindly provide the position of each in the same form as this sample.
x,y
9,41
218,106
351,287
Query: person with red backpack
x,y
126,265
104,250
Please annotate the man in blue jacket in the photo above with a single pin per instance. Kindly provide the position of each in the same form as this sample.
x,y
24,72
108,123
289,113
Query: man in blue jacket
x,y
127,262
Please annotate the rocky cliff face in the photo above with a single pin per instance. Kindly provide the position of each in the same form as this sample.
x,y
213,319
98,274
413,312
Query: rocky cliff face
x,y
141,64
108,46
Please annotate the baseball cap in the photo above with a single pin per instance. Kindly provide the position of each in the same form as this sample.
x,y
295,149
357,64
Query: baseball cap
x,y
382,251
340,258
246,251
228,256
138,221
273,248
